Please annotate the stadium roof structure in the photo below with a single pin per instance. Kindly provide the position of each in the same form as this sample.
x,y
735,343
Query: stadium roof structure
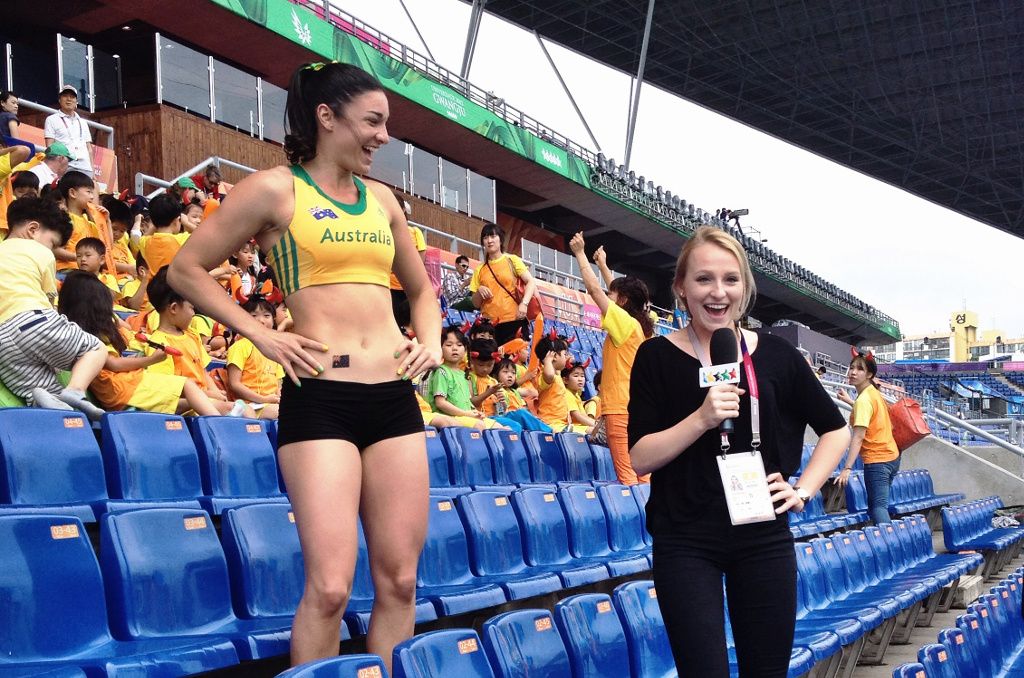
x,y
928,97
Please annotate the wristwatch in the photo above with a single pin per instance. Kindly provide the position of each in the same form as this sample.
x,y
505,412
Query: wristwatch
x,y
804,495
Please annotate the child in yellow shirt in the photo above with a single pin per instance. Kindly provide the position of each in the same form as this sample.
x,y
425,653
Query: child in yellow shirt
x,y
515,405
593,406
90,254
251,375
160,247
575,378
176,315
552,404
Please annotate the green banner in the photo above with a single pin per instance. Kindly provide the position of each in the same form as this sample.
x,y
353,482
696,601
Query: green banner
x,y
304,27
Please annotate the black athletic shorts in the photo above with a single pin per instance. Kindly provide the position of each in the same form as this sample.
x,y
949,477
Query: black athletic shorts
x,y
362,414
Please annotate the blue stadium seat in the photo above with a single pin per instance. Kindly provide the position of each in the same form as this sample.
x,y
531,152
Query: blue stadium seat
x,y
588,532
625,526
960,652
547,465
641,493
604,468
496,546
150,460
911,670
936,662
441,654
508,457
579,461
593,636
347,666
54,612
264,559
649,650
51,464
444,576
546,537
525,644
62,672
166,576
437,459
468,457
237,464
857,497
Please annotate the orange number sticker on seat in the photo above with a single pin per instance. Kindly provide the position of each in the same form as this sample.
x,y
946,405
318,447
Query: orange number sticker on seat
x,y
652,592
590,494
542,624
468,645
291,517
64,531
195,523
172,425
549,497
444,506
253,428
513,437
603,606
625,493
74,422
369,672
501,501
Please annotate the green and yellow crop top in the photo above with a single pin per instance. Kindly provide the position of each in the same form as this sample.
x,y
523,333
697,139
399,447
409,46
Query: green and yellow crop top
x,y
330,242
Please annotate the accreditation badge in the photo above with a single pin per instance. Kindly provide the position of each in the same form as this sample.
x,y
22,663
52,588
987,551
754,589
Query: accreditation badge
x,y
746,487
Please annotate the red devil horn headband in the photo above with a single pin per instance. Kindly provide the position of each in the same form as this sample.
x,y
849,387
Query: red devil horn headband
x,y
854,353
496,356
553,335
474,354
465,327
569,340
586,363
519,333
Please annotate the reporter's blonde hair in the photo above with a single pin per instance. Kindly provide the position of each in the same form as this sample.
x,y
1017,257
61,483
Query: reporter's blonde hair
x,y
709,235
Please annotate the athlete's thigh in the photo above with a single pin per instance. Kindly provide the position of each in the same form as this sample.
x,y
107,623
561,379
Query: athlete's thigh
x,y
323,480
395,498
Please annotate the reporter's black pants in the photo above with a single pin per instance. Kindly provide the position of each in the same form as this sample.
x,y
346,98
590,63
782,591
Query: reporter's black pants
x,y
759,568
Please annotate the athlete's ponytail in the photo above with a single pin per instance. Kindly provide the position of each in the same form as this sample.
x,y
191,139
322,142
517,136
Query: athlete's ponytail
x,y
313,84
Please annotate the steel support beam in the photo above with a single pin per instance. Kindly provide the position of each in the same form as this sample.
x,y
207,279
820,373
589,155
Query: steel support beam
x,y
475,16
416,28
631,127
568,92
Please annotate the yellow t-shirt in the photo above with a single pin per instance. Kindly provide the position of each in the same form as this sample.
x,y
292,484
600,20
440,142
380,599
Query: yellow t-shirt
x,y
122,254
129,290
574,401
552,404
111,282
115,389
82,227
508,268
871,411
421,246
259,373
620,346
478,385
159,249
29,279
593,407
191,364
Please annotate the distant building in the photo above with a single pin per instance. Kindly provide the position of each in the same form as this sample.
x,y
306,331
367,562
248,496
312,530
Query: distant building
x,y
963,343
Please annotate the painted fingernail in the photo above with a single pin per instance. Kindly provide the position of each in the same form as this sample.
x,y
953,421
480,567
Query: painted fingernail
x,y
397,354
398,371
297,382
320,369
405,377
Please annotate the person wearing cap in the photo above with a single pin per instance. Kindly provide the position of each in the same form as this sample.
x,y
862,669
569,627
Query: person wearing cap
x,y
55,163
71,129
185,191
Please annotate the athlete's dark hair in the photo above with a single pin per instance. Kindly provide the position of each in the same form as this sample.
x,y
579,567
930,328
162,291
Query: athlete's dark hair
x,y
634,300
164,209
313,84
87,302
71,180
47,212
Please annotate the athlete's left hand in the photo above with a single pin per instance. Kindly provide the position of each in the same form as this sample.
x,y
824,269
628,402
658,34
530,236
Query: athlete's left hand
x,y
416,358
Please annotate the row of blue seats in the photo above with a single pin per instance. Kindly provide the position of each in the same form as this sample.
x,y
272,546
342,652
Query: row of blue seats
x,y
593,635
465,457
987,642
912,492
968,527
52,463
864,588
166,575
814,520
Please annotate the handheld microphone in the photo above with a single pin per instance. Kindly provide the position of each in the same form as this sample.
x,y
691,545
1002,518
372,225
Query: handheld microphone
x,y
723,355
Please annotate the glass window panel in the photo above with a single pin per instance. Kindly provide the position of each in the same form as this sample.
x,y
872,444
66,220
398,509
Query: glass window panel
x,y
35,73
424,175
75,62
391,165
454,178
235,97
274,100
185,77
481,192
106,71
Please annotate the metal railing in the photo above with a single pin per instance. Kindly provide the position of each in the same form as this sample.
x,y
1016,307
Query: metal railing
x,y
92,124
142,179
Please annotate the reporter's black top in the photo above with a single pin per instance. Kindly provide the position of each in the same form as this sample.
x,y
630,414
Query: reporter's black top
x,y
664,390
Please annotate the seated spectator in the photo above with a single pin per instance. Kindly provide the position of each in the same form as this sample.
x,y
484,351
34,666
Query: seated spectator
x,y
209,182
121,220
134,293
79,194
9,122
124,382
185,191
593,406
515,407
159,248
455,285
25,184
56,160
448,384
251,375
90,253
173,329
243,280
574,376
69,128
191,216
35,341
552,405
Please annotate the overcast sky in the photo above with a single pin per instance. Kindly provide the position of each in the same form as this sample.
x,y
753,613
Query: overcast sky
x,y
913,260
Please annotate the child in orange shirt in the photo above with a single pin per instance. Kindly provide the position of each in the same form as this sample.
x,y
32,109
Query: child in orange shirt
x,y
552,406
251,375
173,330
124,382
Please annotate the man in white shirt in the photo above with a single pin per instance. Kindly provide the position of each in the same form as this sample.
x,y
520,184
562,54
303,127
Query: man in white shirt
x,y
54,165
69,128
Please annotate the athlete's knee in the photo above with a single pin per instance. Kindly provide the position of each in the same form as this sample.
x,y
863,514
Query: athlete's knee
x,y
328,594
395,581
